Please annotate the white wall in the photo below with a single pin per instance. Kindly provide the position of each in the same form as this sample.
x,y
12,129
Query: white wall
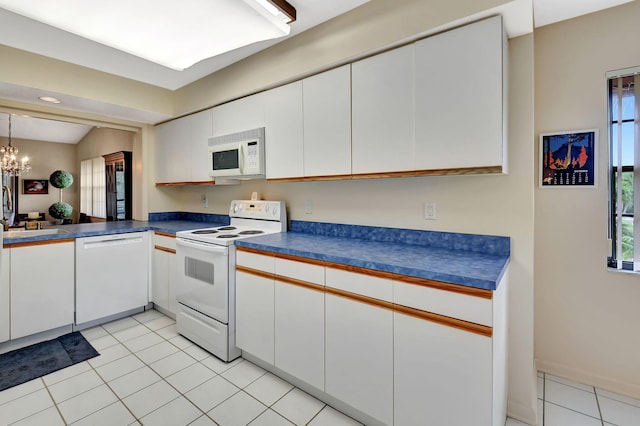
x,y
587,317
495,205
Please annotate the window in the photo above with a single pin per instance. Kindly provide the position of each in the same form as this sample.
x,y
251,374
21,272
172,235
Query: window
x,y
624,170
93,187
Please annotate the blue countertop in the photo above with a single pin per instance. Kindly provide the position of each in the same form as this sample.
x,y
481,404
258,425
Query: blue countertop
x,y
436,256
120,227
471,260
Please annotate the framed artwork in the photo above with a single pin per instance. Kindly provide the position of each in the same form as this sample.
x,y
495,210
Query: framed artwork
x,y
568,159
35,186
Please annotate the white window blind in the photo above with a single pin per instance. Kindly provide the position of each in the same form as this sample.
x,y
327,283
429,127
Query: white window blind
x,y
624,176
93,191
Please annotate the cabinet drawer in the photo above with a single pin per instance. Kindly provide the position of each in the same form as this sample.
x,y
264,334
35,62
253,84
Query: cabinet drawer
x,y
363,284
300,270
448,303
256,261
164,241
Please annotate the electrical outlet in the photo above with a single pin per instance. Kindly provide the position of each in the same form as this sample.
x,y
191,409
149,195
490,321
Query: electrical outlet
x,y
205,201
308,207
430,210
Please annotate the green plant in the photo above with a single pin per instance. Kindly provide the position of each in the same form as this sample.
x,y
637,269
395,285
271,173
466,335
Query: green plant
x,y
61,179
60,210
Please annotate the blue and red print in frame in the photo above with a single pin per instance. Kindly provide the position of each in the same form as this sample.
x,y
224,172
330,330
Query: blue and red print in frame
x,y
568,159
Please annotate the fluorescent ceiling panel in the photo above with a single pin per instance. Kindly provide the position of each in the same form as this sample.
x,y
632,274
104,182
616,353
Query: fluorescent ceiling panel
x,y
170,33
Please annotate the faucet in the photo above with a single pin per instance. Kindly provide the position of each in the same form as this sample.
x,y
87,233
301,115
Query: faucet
x,y
7,190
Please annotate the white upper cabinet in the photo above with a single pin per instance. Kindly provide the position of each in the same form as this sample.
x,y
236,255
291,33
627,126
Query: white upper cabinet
x,y
239,115
284,132
327,123
383,112
459,97
171,153
181,149
200,128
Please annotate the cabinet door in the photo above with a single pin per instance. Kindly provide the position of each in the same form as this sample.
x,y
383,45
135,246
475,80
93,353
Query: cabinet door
x,y
160,278
201,129
299,332
383,112
172,152
163,269
459,97
42,288
255,315
284,132
327,123
5,310
359,356
442,375
239,115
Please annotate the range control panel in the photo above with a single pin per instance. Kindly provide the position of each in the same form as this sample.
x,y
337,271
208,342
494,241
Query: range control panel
x,y
258,209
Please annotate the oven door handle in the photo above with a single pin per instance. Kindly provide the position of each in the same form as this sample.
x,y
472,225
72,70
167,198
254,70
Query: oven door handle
x,y
210,248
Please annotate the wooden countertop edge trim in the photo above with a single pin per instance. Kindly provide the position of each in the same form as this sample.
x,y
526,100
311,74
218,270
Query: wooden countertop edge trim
x,y
208,182
38,243
164,234
166,249
438,285
471,327
400,174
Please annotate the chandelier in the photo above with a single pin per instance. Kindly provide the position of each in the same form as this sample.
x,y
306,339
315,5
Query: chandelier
x,y
9,163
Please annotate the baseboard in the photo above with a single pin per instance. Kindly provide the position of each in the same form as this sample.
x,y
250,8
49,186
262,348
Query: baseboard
x,y
577,375
522,413
11,345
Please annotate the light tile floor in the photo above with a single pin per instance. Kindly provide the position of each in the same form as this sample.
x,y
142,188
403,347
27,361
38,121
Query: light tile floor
x,y
147,374
562,402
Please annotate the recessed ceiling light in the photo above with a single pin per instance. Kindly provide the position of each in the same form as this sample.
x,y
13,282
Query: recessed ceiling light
x,y
50,99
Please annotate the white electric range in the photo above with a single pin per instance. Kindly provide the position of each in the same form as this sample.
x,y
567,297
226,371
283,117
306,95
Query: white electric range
x,y
205,287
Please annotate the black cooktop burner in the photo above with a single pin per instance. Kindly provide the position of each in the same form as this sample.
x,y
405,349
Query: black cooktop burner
x,y
205,231
250,232
227,228
227,236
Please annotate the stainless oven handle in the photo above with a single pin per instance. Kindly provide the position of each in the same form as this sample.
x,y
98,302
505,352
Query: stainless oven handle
x,y
210,248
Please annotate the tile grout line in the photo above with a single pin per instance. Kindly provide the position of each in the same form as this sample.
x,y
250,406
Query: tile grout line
x,y
598,404
571,409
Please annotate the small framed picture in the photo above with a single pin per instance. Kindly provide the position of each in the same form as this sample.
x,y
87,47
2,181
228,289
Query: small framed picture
x,y
35,186
568,159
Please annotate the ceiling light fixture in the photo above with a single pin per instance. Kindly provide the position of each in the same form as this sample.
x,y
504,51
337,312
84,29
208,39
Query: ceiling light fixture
x,y
50,99
173,34
9,162
279,7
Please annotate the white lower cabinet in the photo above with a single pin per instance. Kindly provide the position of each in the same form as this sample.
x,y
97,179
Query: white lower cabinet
x,y
255,315
299,332
42,293
162,273
441,373
392,359
359,356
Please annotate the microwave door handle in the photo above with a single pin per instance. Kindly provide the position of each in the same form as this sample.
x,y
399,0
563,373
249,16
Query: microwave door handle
x,y
241,158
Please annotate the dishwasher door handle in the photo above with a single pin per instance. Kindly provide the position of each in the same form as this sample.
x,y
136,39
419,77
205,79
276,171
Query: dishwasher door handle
x,y
112,242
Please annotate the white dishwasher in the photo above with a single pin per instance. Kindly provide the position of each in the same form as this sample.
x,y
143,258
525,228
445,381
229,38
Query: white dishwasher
x,y
112,273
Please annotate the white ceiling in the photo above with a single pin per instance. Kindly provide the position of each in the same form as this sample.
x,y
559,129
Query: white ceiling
x,y
32,36
40,129
26,34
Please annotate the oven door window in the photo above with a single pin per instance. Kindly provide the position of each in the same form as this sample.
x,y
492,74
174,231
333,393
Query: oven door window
x,y
199,270
226,160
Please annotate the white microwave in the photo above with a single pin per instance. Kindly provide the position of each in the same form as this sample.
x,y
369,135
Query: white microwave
x,y
238,155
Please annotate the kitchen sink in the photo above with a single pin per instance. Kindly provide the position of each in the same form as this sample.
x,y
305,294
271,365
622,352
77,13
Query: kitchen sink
x,y
34,233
